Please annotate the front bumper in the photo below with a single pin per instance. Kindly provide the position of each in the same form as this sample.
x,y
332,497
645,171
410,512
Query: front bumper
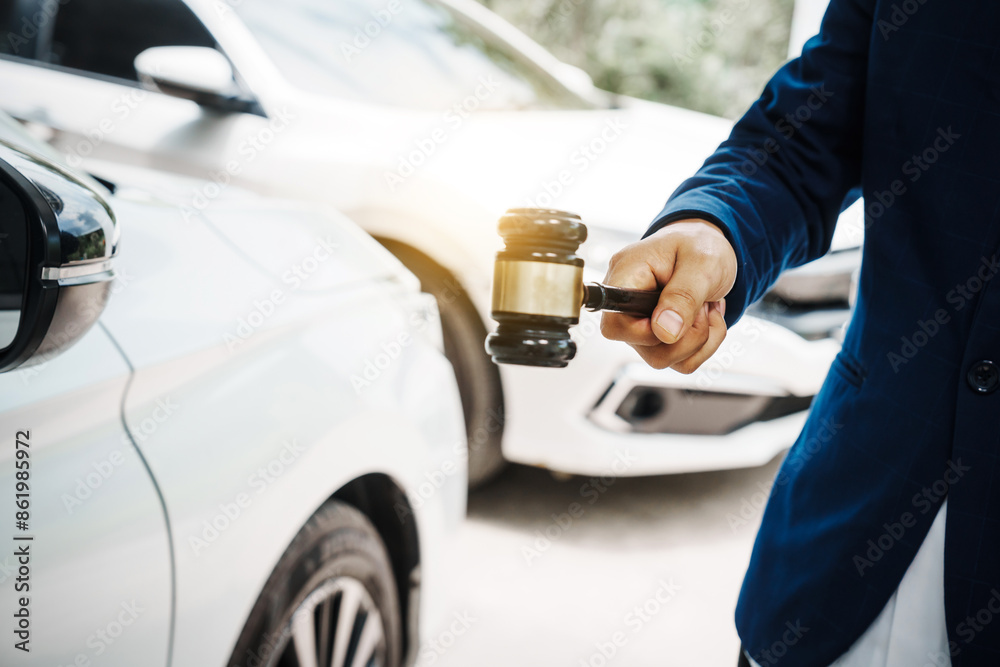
x,y
743,407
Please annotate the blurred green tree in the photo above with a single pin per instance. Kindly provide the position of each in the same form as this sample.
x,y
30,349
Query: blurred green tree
x,y
708,55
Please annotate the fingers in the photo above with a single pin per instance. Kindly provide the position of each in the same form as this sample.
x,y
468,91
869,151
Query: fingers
x,y
693,283
716,334
699,343
661,356
627,269
632,330
694,266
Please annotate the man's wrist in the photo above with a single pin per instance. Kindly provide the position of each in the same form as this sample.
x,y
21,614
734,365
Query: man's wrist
x,y
718,228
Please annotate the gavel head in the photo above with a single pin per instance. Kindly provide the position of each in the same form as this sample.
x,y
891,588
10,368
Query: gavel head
x,y
537,288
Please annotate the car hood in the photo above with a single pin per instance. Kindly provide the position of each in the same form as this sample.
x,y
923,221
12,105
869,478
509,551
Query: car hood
x,y
251,223
614,167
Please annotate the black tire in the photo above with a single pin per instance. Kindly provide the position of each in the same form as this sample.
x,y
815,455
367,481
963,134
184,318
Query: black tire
x,y
335,564
477,376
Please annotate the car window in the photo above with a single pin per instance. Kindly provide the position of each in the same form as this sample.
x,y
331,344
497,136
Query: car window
x,y
100,36
408,53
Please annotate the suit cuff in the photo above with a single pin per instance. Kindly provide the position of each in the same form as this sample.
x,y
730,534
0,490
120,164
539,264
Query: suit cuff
x,y
693,204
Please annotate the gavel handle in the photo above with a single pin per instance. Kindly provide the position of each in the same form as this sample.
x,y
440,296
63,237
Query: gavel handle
x,y
619,299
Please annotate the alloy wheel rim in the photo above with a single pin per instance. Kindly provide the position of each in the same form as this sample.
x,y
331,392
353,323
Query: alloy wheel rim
x,y
336,625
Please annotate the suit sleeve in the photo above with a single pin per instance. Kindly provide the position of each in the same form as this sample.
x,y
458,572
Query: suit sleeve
x,y
777,185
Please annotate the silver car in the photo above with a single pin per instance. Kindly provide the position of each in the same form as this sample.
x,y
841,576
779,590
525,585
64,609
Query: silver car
x,y
190,473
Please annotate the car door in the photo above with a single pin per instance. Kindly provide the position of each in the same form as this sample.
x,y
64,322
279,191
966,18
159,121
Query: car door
x,y
68,70
88,574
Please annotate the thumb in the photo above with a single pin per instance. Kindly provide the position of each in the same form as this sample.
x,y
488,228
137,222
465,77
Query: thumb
x,y
684,295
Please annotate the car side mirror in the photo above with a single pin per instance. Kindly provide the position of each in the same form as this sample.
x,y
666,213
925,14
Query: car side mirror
x,y
195,73
57,240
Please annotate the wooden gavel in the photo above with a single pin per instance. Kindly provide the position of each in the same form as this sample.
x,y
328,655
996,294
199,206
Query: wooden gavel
x,y
538,289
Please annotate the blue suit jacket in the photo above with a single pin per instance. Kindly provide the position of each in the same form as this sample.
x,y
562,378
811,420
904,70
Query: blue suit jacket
x,y
902,99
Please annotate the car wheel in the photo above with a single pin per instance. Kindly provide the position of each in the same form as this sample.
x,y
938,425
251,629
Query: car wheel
x,y
331,600
477,376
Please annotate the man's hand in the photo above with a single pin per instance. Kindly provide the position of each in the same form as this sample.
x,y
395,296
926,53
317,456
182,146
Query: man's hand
x,y
695,267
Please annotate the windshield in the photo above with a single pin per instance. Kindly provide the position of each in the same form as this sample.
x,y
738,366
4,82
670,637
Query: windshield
x,y
406,53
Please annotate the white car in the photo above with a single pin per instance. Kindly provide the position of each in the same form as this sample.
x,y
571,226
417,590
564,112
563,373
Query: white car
x,y
194,478
423,120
